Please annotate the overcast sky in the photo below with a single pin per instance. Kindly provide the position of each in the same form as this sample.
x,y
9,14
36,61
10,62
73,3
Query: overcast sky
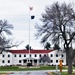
x,y
16,12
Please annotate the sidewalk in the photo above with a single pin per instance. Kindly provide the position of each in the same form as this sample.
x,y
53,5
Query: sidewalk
x,y
48,71
33,71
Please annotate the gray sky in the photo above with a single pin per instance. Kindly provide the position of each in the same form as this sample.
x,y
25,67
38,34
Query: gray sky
x,y
16,12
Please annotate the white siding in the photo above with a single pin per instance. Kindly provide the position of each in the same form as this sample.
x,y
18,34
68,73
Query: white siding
x,y
15,60
5,58
55,58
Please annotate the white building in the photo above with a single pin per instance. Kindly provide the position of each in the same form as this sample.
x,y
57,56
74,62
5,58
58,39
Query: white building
x,y
21,57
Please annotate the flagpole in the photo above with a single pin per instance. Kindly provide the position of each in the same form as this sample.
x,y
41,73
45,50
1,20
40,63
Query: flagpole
x,y
29,33
30,17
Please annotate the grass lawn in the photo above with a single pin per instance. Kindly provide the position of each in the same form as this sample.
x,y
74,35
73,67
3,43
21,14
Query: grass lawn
x,y
20,68
16,68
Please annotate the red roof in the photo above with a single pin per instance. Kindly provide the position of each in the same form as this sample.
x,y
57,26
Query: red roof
x,y
31,51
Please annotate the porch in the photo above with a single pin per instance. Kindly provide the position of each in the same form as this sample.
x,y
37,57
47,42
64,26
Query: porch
x,y
33,61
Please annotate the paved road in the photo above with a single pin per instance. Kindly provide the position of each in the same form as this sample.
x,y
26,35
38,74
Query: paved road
x,y
29,73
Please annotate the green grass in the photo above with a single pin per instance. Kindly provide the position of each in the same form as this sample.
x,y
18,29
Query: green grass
x,y
16,68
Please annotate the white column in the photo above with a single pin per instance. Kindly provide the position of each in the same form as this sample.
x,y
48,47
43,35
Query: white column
x,y
32,62
22,62
37,62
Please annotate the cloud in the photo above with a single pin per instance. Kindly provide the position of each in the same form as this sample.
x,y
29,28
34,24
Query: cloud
x,y
16,12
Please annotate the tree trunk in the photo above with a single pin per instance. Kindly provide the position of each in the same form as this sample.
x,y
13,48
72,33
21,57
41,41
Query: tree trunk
x,y
69,60
70,66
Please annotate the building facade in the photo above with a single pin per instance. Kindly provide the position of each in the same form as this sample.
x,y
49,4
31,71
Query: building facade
x,y
22,57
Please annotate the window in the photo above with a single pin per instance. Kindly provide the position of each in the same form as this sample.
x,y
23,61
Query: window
x,y
40,55
3,55
25,61
35,55
35,61
45,55
20,55
56,61
56,55
19,61
15,55
30,55
8,55
3,61
51,61
24,55
40,61
62,55
8,61
51,55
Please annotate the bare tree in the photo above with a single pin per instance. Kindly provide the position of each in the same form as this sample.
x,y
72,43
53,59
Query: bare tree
x,y
58,22
56,47
5,30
